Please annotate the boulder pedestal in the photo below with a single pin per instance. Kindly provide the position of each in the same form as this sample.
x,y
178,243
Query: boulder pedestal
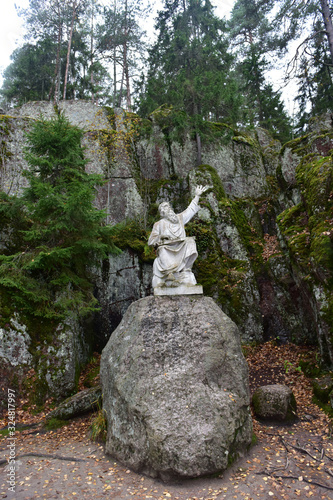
x,y
179,290
175,388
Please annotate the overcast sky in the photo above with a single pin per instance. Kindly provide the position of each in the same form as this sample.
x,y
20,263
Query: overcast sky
x,y
11,30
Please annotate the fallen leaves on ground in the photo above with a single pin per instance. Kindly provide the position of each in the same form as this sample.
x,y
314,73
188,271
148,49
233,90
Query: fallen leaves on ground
x,y
288,461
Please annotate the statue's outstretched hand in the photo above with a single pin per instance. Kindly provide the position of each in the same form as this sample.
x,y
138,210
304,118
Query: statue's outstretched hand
x,y
199,190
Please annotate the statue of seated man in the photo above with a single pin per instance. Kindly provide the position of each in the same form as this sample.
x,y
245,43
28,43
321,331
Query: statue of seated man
x,y
176,252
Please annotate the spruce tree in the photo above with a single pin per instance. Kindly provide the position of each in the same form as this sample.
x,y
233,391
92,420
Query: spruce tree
x,y
252,34
189,66
29,76
49,275
315,81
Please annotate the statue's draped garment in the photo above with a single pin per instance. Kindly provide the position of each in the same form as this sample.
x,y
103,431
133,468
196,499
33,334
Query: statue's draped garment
x,y
175,251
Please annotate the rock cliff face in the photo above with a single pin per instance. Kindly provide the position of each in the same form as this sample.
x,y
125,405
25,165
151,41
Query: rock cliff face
x,y
175,388
264,232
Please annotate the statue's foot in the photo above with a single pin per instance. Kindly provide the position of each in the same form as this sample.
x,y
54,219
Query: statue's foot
x,y
169,281
157,282
186,277
173,280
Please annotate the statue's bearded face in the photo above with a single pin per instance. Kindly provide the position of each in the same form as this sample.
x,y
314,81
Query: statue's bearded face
x,y
167,212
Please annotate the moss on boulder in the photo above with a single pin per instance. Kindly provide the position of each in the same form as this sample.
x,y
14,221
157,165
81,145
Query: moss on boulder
x,y
322,387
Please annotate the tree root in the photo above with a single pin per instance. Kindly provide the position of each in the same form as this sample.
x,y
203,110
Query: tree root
x,y
44,455
309,481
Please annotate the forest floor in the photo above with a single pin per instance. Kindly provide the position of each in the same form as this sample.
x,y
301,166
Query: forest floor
x,y
287,462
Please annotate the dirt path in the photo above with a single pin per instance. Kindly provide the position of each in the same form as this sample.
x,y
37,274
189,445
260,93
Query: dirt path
x,y
97,476
288,462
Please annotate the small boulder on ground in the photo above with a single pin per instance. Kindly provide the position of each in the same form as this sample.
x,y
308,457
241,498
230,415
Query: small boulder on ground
x,y
274,402
79,404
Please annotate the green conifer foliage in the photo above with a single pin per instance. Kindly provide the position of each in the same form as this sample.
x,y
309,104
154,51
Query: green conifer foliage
x,y
315,81
49,274
190,67
29,76
252,35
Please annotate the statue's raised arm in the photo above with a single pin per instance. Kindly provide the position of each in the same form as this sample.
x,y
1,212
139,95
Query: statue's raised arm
x,y
176,252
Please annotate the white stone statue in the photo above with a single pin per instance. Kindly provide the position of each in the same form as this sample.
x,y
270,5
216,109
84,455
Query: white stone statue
x,y
176,252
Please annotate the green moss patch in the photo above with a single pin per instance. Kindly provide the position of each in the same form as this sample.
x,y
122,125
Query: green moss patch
x,y
54,423
322,387
129,234
315,177
220,276
215,179
307,227
250,236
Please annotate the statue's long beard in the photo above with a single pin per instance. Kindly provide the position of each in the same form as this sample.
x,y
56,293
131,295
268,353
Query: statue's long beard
x,y
173,218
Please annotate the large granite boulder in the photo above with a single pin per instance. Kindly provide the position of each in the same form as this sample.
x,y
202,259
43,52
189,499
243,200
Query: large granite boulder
x,y
55,355
175,388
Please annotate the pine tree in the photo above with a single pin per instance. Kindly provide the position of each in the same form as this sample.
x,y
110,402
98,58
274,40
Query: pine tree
x,y
45,19
65,30
292,18
49,274
120,40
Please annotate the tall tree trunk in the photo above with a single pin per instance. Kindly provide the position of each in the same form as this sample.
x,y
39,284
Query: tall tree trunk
x,y
257,80
58,66
128,89
121,88
325,9
92,54
69,47
51,89
114,78
197,134
114,58
198,138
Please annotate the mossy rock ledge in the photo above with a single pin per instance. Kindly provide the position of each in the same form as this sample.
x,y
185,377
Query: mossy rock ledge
x,y
175,388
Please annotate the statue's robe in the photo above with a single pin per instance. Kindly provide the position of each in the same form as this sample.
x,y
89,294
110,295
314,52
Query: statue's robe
x,y
175,252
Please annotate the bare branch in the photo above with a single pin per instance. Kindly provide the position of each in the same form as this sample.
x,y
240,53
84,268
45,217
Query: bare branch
x,y
292,64
309,481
